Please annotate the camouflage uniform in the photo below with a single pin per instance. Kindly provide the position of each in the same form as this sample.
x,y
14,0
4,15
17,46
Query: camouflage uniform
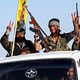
x,y
76,43
61,44
75,46
17,48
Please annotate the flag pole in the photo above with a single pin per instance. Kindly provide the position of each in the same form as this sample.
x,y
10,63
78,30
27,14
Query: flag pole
x,y
18,15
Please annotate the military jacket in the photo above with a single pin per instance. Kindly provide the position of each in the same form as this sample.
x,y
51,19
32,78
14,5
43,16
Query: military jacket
x,y
62,42
75,46
17,48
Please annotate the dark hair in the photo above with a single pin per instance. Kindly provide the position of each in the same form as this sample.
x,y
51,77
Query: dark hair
x,y
24,3
54,19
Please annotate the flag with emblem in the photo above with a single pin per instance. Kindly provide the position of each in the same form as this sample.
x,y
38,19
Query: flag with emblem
x,y
21,11
21,18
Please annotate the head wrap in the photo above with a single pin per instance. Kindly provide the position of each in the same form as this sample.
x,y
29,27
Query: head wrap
x,y
54,21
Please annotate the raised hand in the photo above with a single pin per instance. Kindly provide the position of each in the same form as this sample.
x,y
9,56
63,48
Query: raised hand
x,y
75,23
10,26
74,18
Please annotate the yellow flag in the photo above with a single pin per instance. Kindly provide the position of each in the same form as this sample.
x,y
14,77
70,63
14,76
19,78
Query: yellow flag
x,y
21,10
21,14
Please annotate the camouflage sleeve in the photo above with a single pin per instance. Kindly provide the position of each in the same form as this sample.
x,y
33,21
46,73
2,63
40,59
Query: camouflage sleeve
x,y
75,46
5,43
68,36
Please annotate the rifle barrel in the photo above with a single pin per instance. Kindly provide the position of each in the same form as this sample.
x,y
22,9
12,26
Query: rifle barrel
x,y
77,12
36,22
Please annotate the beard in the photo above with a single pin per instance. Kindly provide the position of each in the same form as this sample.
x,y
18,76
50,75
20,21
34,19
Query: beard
x,y
20,39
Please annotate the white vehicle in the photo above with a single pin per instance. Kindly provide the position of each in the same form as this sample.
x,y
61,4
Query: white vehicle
x,y
40,66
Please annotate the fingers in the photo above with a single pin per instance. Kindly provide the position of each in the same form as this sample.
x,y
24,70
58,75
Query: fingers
x,y
74,17
10,25
77,39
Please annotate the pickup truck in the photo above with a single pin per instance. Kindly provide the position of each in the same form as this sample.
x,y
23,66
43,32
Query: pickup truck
x,y
40,66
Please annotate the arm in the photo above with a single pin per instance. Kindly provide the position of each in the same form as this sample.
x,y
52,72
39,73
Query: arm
x,y
73,33
36,43
75,23
4,40
36,40
76,43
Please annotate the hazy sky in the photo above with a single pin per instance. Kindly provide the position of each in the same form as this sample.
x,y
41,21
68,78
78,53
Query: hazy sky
x,y
43,11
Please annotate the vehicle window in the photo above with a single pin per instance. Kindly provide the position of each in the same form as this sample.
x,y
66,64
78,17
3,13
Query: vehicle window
x,y
51,69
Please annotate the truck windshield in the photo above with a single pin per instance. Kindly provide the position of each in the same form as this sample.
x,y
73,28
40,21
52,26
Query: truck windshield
x,y
50,69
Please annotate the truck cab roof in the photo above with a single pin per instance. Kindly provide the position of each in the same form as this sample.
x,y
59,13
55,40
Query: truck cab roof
x,y
36,56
